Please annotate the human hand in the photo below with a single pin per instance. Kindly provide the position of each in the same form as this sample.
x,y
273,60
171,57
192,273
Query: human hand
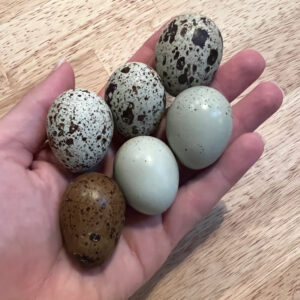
x,y
33,262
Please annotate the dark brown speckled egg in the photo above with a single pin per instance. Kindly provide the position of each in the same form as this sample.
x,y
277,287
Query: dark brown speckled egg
x,y
91,218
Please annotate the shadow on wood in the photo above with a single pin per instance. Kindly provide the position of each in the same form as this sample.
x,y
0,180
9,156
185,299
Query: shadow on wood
x,y
197,236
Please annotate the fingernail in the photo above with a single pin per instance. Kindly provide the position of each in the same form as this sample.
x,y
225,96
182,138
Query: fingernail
x,y
60,62
262,138
282,91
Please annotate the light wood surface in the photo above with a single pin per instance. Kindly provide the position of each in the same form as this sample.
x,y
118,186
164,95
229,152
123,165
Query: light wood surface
x,y
249,246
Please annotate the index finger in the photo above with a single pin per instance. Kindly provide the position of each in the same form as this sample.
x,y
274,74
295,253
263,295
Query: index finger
x,y
145,53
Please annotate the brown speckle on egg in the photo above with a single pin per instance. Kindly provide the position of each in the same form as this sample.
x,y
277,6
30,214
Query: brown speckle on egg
x,y
90,204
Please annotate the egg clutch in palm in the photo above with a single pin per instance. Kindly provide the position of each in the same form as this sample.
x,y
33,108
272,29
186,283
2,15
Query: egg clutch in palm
x,y
80,127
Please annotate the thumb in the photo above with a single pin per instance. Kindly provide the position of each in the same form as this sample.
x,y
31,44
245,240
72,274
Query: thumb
x,y
23,128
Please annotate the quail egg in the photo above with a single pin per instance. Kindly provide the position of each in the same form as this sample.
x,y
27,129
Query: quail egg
x,y
91,218
136,98
188,53
147,173
79,129
199,126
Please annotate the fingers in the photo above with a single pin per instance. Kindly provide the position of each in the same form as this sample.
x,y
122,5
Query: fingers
x,y
145,53
200,195
255,108
248,114
237,74
231,79
24,127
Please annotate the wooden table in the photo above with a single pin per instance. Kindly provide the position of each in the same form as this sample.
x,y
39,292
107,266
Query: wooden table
x,y
249,246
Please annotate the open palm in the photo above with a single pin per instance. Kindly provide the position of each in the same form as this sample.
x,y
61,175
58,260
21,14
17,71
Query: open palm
x,y
33,262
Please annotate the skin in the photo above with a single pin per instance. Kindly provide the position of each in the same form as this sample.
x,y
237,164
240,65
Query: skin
x,y
33,262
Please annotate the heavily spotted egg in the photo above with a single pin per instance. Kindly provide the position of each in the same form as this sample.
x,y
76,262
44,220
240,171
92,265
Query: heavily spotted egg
x,y
79,129
188,53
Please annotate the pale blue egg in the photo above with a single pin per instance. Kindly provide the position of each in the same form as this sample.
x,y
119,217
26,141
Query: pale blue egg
x,y
147,172
199,126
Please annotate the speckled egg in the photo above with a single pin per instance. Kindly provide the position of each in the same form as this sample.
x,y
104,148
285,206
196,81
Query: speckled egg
x,y
79,129
136,98
91,218
147,172
199,126
188,53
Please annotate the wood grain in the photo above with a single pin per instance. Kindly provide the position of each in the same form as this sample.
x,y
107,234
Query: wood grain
x,y
249,247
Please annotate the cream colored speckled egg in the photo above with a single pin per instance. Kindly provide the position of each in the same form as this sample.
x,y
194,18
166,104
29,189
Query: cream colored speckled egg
x,y
79,129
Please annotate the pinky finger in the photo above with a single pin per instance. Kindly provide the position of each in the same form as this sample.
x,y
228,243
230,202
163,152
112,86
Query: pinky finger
x,y
200,195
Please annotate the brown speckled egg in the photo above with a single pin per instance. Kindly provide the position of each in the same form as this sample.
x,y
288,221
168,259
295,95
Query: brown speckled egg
x,y
91,218
136,98
188,53
79,129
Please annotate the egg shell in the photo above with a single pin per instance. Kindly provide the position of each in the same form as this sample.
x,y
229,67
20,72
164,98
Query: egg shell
x,y
79,129
188,53
137,99
199,126
91,218
147,173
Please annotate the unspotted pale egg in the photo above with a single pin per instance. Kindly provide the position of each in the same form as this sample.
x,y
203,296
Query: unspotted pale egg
x,y
147,173
199,126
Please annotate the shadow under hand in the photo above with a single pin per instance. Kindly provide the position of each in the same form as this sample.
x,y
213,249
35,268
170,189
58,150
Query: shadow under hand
x,y
198,235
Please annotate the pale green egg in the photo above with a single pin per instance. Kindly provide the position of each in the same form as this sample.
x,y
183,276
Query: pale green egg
x,y
199,126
